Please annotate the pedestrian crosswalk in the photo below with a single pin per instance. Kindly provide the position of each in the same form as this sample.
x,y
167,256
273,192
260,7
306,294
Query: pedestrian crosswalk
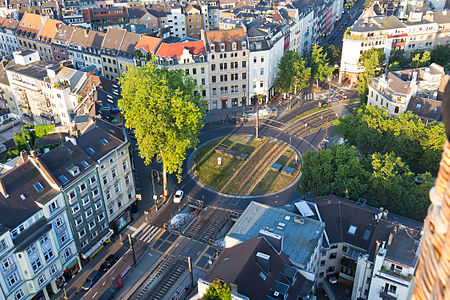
x,y
146,232
309,96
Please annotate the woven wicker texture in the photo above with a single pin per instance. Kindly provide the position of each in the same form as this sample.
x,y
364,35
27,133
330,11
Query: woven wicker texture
x,y
433,271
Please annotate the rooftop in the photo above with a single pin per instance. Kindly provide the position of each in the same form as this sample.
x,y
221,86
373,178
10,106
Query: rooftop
x,y
300,235
425,108
403,248
176,49
238,265
365,24
37,70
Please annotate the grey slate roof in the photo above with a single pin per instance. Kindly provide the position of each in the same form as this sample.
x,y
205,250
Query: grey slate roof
x,y
19,181
36,70
404,247
299,239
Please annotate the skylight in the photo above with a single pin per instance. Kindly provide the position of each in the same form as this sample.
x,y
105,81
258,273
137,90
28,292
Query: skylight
x,y
38,186
63,179
104,141
84,164
366,234
352,229
69,150
90,150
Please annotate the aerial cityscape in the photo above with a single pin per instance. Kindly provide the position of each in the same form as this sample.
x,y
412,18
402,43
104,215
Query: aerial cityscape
x,y
224,149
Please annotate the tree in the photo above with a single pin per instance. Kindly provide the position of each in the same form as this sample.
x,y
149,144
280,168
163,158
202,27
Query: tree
x,y
318,61
372,62
398,61
164,109
302,75
420,59
285,77
334,53
218,290
441,56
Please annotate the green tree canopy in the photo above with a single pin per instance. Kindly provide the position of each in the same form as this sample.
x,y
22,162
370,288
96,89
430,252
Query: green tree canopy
x,y
334,54
398,60
441,56
284,81
164,108
371,129
372,62
319,63
420,59
218,290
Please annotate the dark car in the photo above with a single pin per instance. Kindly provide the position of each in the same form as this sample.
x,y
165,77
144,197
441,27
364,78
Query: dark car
x,y
108,263
91,280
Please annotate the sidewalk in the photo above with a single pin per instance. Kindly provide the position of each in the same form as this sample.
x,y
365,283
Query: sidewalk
x,y
228,115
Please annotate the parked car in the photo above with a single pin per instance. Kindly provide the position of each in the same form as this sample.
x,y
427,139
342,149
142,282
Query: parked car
x,y
108,263
332,280
178,196
91,280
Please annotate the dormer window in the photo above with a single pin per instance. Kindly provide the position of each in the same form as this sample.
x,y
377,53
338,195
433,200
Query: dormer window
x,y
244,45
234,45
212,47
38,186
222,46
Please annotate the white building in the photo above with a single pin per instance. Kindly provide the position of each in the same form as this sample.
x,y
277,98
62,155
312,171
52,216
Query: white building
x,y
176,19
266,43
45,92
8,37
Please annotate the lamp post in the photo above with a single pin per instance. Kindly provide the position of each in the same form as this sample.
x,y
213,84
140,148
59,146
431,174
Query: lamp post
x,y
306,124
243,108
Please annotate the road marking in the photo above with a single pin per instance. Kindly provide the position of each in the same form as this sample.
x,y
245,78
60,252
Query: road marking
x,y
132,228
138,230
104,283
94,295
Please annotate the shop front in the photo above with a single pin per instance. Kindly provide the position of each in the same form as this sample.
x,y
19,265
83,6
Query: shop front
x,y
98,246
122,221
67,274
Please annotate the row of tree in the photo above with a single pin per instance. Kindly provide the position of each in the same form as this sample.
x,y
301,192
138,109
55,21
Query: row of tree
x,y
295,72
384,180
371,129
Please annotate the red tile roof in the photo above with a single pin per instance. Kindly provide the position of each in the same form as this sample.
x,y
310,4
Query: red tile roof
x,y
148,43
176,49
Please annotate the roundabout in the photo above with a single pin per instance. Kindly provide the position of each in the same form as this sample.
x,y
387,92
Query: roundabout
x,y
219,192
240,165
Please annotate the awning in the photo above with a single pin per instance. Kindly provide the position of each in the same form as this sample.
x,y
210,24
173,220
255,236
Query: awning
x,y
97,245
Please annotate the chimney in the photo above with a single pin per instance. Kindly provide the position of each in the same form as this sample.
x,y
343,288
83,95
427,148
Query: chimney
x,y
3,189
391,235
23,156
377,247
33,153
385,213
263,261
384,244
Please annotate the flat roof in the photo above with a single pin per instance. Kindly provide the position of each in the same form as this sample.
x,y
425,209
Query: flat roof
x,y
300,235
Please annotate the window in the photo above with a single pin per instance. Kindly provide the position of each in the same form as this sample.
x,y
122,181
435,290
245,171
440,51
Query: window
x,y
213,78
91,225
3,245
352,229
84,243
84,164
89,213
38,186
125,165
12,279
63,238
85,200
43,239
90,150
53,270
31,249
6,264
63,179
92,180
82,187
94,235
100,217
78,221
111,210
127,180
104,141
48,254
36,265
105,180
119,203
81,233
75,208
330,269
344,248
98,204
244,64
333,255
68,251
116,188
113,173
322,263
108,195
53,206
95,192
19,294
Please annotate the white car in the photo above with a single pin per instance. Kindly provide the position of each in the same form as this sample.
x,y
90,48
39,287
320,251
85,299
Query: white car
x,y
178,196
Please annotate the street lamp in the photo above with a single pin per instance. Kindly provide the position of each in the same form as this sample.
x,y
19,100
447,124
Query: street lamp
x,y
243,107
306,124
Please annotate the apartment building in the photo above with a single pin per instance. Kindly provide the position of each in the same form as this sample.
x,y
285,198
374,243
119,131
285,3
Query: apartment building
x,y
28,30
45,92
60,42
6,95
395,265
109,51
421,31
353,240
228,55
45,37
300,238
145,49
92,50
8,36
266,44
194,20
190,57
108,146
37,249
105,17
77,176
395,90
125,58
176,20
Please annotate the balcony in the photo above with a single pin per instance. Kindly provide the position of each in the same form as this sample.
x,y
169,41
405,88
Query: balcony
x,y
396,274
386,295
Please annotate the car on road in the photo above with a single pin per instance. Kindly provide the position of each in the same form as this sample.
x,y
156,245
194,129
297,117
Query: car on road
x,y
332,280
178,196
108,263
91,280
